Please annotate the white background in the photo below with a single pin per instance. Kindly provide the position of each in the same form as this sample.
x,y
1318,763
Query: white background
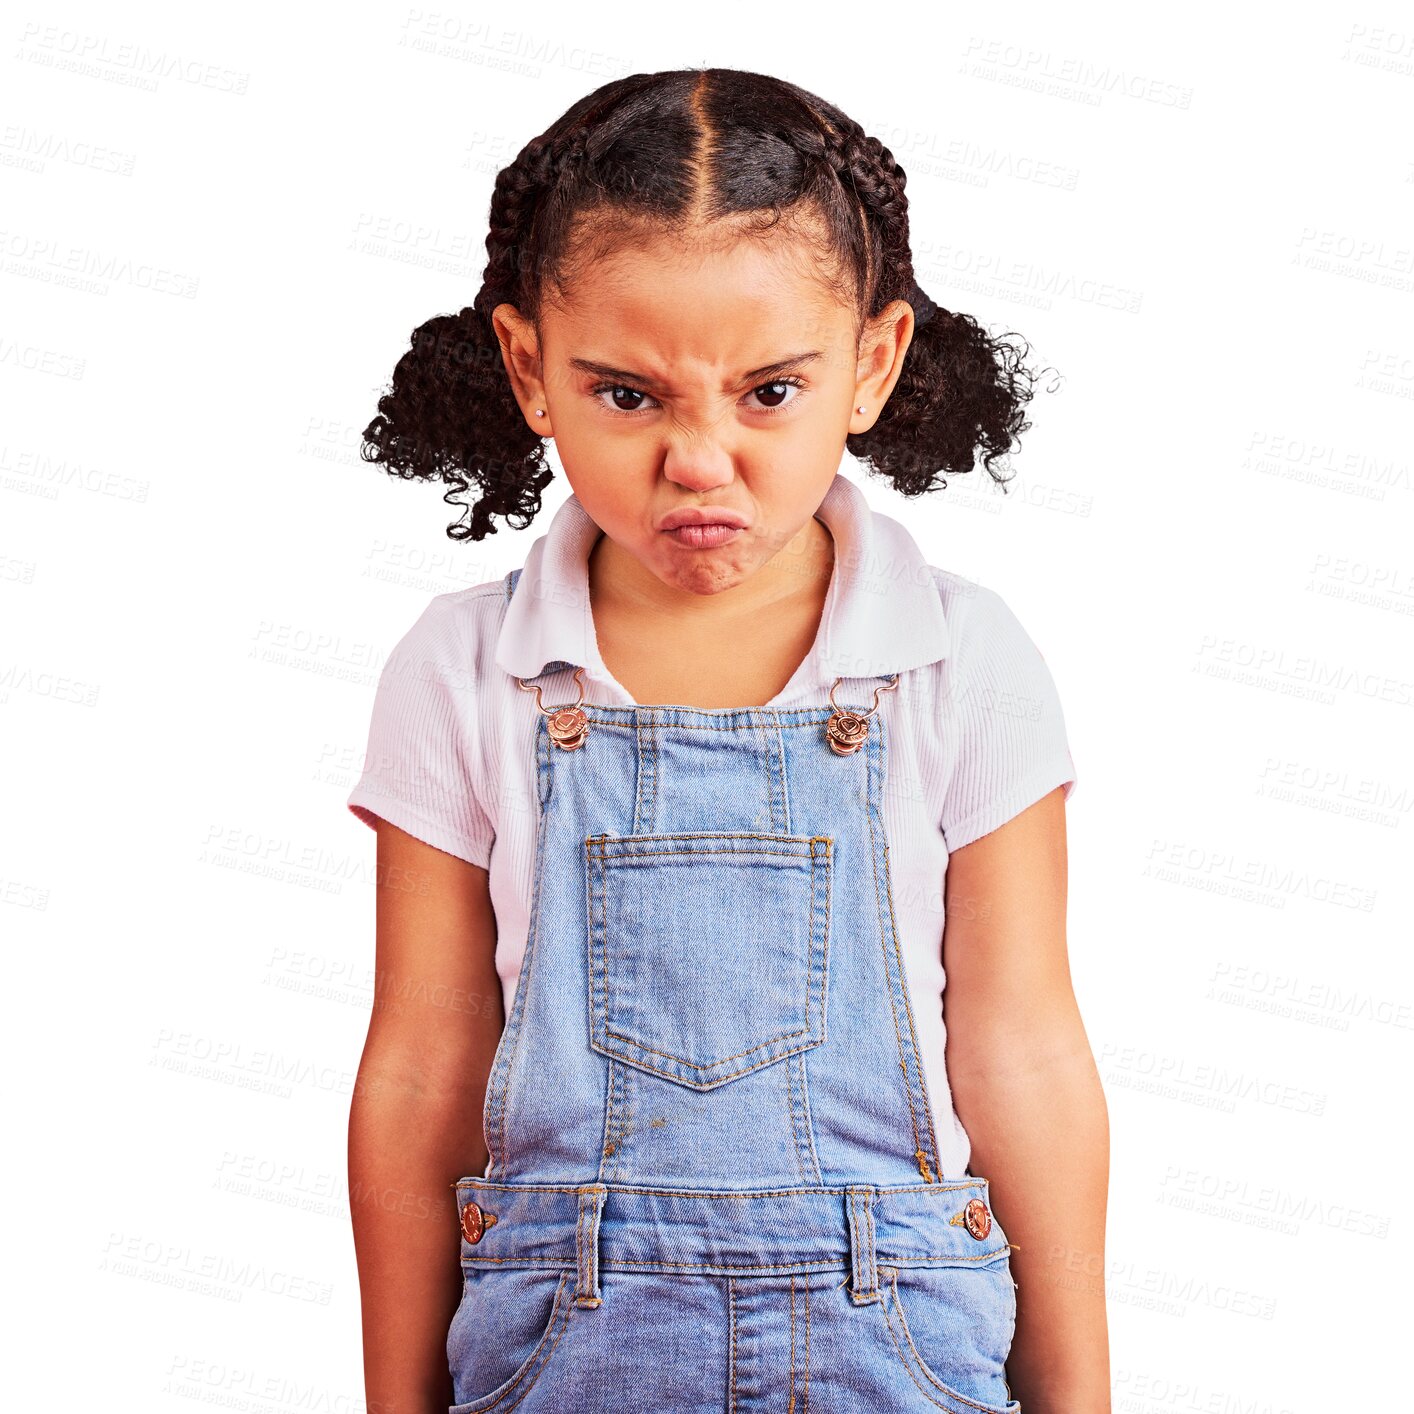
x,y
219,228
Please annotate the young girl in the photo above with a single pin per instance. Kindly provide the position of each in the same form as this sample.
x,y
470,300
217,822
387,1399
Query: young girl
x,y
679,822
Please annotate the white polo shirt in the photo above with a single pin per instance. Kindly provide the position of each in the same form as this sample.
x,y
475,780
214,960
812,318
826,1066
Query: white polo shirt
x,y
975,735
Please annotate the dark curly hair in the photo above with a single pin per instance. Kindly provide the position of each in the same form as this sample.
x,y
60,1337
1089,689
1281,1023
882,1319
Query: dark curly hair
x,y
662,151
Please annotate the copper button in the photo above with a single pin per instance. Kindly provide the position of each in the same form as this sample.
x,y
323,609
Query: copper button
x,y
475,1221
569,727
846,731
977,1219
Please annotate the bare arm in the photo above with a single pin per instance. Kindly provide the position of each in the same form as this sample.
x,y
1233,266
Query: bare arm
x,y
1028,1093
415,1124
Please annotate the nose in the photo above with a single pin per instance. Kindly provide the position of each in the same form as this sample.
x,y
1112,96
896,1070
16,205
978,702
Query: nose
x,y
698,464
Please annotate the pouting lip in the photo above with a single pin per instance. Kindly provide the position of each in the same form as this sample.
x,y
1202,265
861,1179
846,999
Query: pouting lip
x,y
702,515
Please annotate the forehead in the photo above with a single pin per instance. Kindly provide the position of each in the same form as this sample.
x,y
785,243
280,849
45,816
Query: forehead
x,y
739,301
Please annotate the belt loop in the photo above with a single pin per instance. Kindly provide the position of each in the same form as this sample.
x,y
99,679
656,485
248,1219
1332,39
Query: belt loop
x,y
586,1244
864,1275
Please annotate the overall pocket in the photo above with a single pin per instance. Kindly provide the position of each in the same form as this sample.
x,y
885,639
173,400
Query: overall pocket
x,y
952,1328
509,1324
707,952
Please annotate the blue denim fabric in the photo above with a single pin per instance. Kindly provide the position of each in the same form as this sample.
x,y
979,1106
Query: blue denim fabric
x,y
713,1179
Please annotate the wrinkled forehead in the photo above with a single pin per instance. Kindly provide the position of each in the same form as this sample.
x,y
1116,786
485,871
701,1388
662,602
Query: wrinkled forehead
x,y
677,326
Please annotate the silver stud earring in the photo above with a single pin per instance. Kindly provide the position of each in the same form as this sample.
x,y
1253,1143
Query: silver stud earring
x,y
540,412
860,408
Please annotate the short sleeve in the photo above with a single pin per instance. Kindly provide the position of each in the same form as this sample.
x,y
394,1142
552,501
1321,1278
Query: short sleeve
x,y
422,769
1008,729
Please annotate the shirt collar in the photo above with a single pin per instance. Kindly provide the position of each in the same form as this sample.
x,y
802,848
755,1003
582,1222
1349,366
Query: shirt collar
x,y
882,614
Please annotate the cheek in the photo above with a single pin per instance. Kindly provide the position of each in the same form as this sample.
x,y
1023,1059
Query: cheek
x,y
617,496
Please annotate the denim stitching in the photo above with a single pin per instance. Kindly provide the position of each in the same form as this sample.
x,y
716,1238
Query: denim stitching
x,y
614,849
873,1243
777,785
604,851
608,1161
628,1106
731,1321
559,1318
927,1394
791,1118
864,1280
600,875
907,1053
808,1118
837,1263
596,716
930,1190
805,1409
618,856
579,1248
791,1386
627,1101
625,1110
941,1261
923,1368
921,1078
645,792
864,1238
495,1118
587,1247
694,1065
655,779
798,1106
526,979
854,1272
823,882
606,1145
598,975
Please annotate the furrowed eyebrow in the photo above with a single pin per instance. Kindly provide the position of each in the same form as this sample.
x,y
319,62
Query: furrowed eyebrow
x,y
640,380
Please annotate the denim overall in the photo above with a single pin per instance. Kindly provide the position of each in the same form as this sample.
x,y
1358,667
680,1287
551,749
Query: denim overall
x,y
713,1181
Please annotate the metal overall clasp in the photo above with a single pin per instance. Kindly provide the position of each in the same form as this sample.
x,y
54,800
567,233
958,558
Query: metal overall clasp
x,y
568,726
846,731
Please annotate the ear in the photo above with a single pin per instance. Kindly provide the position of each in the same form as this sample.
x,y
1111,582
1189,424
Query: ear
x,y
882,347
520,351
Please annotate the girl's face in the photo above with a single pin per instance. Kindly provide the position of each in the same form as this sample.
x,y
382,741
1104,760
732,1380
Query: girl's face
x,y
722,385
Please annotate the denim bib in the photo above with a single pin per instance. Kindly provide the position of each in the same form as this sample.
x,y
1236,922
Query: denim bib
x,y
713,1178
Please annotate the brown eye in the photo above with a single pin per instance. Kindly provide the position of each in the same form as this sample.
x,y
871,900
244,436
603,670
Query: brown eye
x,y
780,393
623,398
626,400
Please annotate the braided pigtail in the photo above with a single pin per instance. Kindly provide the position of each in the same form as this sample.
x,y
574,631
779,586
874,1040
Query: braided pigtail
x,y
451,413
684,151
961,392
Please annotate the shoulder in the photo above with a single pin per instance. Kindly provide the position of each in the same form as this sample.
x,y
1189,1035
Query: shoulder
x,y
995,676
425,769
998,734
981,624
453,635
465,610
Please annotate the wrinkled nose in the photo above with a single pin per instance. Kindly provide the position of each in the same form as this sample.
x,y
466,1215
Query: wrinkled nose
x,y
698,463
